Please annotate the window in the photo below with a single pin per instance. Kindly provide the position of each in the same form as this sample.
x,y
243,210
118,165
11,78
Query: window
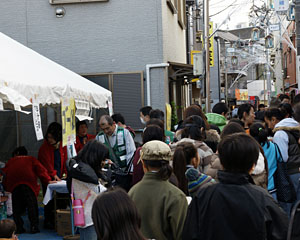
x,y
182,13
172,5
127,92
74,1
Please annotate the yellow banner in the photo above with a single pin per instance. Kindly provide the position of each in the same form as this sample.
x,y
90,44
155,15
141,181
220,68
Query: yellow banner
x,y
211,45
168,116
68,121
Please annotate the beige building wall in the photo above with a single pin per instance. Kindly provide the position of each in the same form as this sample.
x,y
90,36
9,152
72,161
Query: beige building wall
x,y
174,34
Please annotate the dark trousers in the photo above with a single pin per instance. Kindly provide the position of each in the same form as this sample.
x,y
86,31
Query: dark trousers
x,y
24,198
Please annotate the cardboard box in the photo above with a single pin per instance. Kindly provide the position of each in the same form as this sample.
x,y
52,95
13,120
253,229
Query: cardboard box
x,y
63,222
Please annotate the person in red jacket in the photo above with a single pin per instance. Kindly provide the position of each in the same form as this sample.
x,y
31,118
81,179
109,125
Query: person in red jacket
x,y
21,175
82,137
53,157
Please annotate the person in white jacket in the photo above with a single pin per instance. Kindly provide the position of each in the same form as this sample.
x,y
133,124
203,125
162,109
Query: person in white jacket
x,y
287,134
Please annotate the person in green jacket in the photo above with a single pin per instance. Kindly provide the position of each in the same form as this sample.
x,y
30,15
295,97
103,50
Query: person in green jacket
x,y
218,115
162,206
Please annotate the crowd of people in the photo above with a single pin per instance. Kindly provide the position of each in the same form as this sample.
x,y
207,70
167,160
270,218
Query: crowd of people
x,y
229,167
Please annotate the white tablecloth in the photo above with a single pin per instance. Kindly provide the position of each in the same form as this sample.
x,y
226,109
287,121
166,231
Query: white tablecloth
x,y
60,187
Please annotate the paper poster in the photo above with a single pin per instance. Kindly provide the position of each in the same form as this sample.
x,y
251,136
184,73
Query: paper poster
x,y
1,105
110,106
68,121
168,116
36,115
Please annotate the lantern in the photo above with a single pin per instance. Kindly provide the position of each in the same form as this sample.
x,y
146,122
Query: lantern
x,y
269,41
255,34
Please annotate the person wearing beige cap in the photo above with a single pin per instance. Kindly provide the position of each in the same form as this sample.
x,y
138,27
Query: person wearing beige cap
x,y
162,206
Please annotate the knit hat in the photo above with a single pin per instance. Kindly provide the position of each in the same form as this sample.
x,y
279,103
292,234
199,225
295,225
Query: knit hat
x,y
196,180
156,150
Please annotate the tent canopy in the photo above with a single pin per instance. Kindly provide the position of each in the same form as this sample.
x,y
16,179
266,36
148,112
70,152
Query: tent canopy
x,y
25,74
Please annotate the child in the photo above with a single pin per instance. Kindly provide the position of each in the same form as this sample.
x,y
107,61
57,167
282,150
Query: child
x,y
7,229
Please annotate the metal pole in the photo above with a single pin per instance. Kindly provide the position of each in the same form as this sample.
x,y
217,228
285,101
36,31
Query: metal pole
x,y
226,81
268,79
207,69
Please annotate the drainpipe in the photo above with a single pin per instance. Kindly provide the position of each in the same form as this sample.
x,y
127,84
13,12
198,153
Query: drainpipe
x,y
148,67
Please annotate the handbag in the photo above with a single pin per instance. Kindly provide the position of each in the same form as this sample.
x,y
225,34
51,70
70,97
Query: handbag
x,y
123,178
285,188
78,209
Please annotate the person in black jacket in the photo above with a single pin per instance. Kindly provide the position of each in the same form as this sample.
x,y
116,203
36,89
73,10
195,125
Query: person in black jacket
x,y
235,208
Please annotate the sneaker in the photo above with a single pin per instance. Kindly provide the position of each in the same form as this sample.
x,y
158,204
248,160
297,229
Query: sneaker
x,y
34,230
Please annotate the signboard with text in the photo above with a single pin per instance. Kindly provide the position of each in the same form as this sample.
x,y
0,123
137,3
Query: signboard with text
x,y
68,121
211,45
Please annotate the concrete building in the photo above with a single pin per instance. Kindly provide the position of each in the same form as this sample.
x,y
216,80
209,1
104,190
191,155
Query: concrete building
x,y
109,42
289,61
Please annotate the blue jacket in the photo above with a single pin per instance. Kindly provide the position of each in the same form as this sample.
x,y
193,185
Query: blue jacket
x,y
272,156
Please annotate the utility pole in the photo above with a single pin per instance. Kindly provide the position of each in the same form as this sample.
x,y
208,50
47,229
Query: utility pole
x,y
207,62
297,21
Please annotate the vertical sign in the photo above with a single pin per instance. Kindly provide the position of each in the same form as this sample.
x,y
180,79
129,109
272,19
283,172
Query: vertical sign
x,y
168,116
68,121
281,5
37,119
110,106
1,105
211,45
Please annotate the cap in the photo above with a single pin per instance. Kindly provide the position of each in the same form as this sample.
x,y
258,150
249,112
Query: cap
x,y
156,150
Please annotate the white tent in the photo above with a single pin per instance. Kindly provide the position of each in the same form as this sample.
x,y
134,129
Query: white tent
x,y
25,74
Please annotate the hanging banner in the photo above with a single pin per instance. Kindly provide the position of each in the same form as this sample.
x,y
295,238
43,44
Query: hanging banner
x,y
211,46
83,110
37,119
68,121
168,116
110,106
1,105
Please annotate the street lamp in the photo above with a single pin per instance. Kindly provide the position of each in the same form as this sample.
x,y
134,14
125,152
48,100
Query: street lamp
x,y
255,34
234,61
269,41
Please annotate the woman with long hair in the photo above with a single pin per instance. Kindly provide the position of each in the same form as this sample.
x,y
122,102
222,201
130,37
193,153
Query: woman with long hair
x,y
271,151
115,216
185,157
185,164
83,181
194,132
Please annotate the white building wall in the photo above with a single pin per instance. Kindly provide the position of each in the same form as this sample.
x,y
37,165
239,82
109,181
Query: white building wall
x,y
174,37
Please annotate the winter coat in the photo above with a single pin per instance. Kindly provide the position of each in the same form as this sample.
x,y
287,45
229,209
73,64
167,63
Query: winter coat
x,y
79,145
234,209
162,207
84,181
212,139
216,119
138,171
260,172
209,161
287,133
24,170
46,157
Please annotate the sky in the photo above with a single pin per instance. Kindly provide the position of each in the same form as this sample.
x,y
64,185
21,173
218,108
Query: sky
x,y
239,9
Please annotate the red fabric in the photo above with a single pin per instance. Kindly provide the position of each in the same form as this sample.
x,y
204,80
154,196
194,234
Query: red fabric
x,y
46,157
79,145
138,172
24,170
131,131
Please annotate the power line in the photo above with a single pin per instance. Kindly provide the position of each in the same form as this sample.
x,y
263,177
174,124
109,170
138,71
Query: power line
x,y
224,9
